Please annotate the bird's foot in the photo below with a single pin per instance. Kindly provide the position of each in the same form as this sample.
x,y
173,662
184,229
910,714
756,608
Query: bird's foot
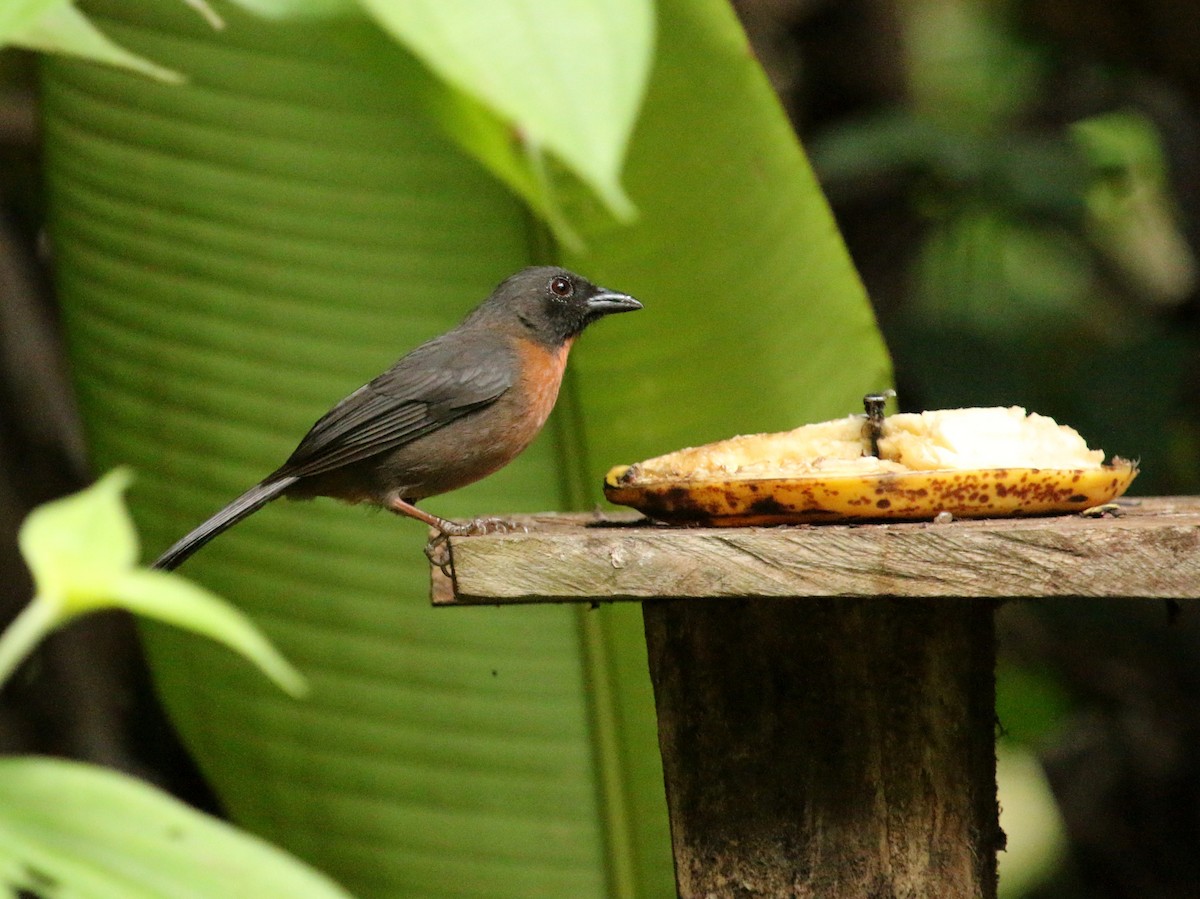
x,y
437,550
479,526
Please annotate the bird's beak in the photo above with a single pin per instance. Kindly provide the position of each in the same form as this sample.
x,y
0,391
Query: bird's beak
x,y
605,302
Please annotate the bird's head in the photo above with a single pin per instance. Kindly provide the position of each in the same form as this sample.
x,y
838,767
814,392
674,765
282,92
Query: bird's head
x,y
553,305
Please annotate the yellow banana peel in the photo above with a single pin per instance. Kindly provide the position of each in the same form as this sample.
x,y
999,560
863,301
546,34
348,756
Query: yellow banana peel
x,y
970,463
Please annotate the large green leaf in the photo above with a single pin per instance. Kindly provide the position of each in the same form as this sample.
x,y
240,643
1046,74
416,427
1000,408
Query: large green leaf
x,y
234,256
301,9
755,318
72,831
568,74
58,27
16,15
753,304
238,253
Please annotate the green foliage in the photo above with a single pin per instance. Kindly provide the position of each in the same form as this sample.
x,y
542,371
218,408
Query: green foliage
x,y
1131,215
73,831
18,15
313,201
1036,843
1030,705
82,552
68,829
56,26
302,9
568,74
1043,260
559,78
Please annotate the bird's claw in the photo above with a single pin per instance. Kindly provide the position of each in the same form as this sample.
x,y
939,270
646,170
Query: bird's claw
x,y
437,550
478,526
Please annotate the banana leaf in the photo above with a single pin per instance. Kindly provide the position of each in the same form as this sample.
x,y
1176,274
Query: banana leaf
x,y
68,829
236,253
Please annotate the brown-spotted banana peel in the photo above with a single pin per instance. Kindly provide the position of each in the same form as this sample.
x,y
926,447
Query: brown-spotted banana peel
x,y
971,463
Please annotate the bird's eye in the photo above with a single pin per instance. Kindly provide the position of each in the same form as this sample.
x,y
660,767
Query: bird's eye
x,y
562,287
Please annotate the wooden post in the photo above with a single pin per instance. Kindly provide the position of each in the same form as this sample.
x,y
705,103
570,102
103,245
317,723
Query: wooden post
x,y
827,747
824,694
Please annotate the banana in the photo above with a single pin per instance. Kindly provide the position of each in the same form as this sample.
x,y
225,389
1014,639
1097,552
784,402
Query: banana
x,y
970,463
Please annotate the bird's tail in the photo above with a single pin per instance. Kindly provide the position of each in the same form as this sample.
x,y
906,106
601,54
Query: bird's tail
x,y
246,504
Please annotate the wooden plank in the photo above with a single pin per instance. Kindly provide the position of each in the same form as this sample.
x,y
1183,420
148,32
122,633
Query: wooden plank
x,y
1151,551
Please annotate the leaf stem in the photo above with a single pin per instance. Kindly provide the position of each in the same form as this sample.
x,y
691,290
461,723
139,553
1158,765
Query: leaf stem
x,y
33,623
551,211
210,15
612,774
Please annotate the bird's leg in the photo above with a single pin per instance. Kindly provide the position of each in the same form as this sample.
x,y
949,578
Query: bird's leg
x,y
473,528
448,528
437,550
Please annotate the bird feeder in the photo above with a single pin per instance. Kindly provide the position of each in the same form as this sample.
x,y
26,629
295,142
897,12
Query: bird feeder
x,y
825,694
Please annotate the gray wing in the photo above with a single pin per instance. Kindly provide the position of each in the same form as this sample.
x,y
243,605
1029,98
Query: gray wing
x,y
437,383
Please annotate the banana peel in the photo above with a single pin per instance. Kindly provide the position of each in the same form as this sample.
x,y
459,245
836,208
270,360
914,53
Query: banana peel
x,y
970,463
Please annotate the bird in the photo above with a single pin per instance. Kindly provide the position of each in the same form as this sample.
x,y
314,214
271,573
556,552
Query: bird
x,y
448,413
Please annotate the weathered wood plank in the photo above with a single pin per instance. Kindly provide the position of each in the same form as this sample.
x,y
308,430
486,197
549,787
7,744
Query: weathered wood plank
x,y
1151,551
